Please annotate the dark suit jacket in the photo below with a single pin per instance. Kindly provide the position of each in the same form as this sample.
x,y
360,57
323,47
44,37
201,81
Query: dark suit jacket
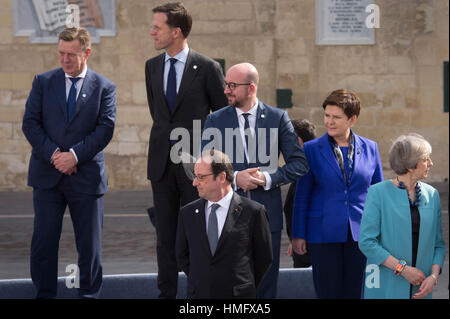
x,y
88,132
267,118
201,90
242,257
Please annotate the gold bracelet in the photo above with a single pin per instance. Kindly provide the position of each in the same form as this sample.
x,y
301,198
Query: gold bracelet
x,y
435,279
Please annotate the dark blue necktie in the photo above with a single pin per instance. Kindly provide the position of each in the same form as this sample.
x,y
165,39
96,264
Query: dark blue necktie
x,y
72,99
171,90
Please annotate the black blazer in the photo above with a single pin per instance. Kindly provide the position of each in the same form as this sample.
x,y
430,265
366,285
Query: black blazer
x,y
243,253
201,91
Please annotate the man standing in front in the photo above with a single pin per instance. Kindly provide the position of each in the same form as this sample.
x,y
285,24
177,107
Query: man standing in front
x,y
182,86
261,129
223,239
69,119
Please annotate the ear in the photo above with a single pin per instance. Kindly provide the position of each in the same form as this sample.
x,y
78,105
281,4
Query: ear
x,y
353,120
88,52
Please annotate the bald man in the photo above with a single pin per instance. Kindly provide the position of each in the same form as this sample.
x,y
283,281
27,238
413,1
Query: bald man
x,y
258,133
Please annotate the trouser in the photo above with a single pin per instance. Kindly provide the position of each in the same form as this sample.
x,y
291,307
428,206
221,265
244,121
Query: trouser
x,y
268,287
86,211
170,193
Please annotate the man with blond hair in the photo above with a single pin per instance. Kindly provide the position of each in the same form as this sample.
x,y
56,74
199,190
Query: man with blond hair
x,y
69,119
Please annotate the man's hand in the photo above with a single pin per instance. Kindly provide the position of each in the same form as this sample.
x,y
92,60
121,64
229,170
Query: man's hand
x,y
65,162
250,179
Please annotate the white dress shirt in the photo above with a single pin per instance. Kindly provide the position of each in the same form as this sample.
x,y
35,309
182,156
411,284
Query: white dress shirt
x,y
221,212
179,66
252,124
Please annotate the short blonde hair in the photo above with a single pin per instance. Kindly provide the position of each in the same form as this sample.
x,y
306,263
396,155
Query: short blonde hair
x,y
80,34
406,151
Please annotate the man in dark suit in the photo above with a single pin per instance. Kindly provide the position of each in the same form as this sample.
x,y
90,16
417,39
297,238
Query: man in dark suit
x,y
223,240
69,120
257,130
182,86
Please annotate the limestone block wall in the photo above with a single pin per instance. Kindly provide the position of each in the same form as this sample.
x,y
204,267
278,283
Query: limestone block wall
x,y
399,79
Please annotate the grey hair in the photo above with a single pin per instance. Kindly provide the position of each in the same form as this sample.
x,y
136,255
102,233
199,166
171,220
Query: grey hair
x,y
406,151
220,162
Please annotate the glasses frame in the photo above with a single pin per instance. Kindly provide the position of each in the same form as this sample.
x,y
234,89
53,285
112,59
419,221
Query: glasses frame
x,y
232,85
202,177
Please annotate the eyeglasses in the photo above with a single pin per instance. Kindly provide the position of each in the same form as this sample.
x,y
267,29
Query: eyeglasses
x,y
202,177
232,85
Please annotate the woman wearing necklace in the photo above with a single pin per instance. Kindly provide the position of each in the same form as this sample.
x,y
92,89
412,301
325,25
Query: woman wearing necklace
x,y
329,199
401,231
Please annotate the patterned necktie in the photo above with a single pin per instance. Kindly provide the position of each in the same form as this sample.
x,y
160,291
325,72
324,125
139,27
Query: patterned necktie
x,y
213,230
171,89
72,99
249,136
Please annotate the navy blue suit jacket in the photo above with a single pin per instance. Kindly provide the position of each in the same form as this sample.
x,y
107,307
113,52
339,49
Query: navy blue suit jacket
x,y
274,123
324,205
89,131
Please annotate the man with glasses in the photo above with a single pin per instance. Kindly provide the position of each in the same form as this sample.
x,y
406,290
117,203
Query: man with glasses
x,y
261,127
182,86
223,240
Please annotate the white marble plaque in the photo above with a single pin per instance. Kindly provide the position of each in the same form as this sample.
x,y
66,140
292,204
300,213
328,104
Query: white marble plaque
x,y
344,22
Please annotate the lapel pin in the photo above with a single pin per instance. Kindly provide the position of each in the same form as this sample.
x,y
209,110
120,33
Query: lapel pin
x,y
262,115
196,211
195,67
84,95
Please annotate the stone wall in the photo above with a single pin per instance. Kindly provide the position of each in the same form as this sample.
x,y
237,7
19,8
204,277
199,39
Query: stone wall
x,y
399,79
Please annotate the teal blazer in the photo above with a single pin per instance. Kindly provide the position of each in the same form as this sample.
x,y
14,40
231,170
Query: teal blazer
x,y
386,230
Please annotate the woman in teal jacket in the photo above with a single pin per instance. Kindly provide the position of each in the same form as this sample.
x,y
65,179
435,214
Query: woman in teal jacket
x,y
401,233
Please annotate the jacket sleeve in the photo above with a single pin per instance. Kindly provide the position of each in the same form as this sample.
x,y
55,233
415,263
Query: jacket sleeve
x,y
439,246
215,87
370,229
182,247
32,127
262,246
378,173
294,157
301,205
102,135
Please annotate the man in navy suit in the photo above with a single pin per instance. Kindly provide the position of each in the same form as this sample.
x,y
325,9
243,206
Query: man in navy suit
x,y
257,134
69,120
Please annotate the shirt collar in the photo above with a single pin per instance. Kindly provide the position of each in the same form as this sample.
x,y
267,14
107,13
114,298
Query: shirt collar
x,y
180,56
81,75
252,111
224,202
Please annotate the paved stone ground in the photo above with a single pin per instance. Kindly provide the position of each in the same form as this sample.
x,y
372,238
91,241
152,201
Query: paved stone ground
x,y
129,239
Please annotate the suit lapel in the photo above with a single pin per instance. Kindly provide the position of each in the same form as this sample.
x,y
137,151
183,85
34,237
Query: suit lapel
x,y
89,86
234,212
327,152
359,156
200,217
190,72
261,122
59,85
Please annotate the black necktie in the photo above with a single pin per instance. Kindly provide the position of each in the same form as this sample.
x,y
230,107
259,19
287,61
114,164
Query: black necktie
x,y
72,99
171,90
213,229
247,126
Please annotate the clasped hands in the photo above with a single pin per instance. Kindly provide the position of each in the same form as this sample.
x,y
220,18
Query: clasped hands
x,y
250,178
65,162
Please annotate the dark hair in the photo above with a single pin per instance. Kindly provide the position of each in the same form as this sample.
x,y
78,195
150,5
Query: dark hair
x,y
80,34
177,16
220,162
346,100
304,129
